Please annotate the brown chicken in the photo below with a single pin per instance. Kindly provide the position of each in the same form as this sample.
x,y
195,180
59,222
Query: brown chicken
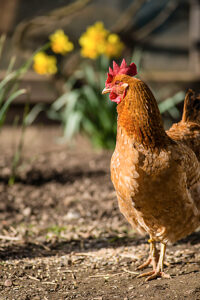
x,y
156,174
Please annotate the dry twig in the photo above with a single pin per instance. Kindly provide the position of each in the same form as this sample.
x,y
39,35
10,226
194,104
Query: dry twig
x,y
105,275
55,16
34,278
157,21
48,282
9,238
126,18
131,272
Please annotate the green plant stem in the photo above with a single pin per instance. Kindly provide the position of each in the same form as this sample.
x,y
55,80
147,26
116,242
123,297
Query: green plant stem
x,y
18,152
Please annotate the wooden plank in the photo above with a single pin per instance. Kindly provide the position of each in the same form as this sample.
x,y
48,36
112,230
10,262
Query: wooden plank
x,y
29,76
8,9
170,76
41,89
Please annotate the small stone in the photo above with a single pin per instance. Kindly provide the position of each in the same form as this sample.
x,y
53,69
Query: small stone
x,y
27,211
72,215
8,283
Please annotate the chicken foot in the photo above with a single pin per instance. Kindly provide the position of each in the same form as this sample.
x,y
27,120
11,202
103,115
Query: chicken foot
x,y
153,256
157,269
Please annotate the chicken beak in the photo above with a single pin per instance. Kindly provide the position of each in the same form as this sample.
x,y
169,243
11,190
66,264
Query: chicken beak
x,y
106,91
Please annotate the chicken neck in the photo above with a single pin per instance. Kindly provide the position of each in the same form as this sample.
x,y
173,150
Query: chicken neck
x,y
139,115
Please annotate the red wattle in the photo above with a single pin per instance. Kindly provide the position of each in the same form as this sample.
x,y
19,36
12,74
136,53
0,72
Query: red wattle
x,y
115,98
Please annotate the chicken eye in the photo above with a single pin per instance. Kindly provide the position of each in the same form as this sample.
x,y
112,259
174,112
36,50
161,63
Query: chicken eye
x,y
117,82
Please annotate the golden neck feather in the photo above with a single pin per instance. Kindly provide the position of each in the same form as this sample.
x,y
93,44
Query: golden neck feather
x,y
139,115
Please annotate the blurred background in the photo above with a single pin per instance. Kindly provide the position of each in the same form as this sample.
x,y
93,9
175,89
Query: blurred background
x,y
161,37
59,218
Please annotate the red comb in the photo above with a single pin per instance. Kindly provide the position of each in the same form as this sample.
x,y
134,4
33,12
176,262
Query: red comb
x,y
130,70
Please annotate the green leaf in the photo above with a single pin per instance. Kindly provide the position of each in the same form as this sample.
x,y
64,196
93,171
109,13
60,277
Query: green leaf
x,y
7,103
137,57
73,124
11,65
90,75
91,96
174,112
85,108
32,115
65,98
7,78
103,63
171,102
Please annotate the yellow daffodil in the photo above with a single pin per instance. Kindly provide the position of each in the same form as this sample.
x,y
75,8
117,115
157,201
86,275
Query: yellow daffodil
x,y
93,41
60,42
97,40
114,46
44,64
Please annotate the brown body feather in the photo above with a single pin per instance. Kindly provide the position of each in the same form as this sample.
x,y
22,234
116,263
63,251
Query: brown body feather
x,y
156,174
188,130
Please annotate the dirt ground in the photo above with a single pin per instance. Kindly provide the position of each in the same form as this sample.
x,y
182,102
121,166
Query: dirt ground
x,y
62,235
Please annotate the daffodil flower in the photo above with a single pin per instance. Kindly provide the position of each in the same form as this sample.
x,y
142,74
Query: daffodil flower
x,y
97,41
60,42
44,64
114,46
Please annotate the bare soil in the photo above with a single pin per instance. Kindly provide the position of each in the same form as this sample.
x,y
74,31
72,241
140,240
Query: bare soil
x,y
62,235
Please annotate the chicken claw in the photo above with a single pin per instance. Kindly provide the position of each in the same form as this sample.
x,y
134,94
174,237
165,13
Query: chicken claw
x,y
153,275
153,256
157,270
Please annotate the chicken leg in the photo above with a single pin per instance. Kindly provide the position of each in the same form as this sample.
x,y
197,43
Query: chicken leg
x,y
153,256
157,269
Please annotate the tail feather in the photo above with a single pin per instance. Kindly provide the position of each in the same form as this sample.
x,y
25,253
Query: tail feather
x,y
191,110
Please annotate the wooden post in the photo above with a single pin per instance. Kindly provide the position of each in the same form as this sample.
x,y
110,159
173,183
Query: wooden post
x,y
8,9
194,36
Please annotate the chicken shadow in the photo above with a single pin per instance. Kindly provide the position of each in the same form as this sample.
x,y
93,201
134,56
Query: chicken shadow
x,y
34,250
57,248
192,239
37,177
